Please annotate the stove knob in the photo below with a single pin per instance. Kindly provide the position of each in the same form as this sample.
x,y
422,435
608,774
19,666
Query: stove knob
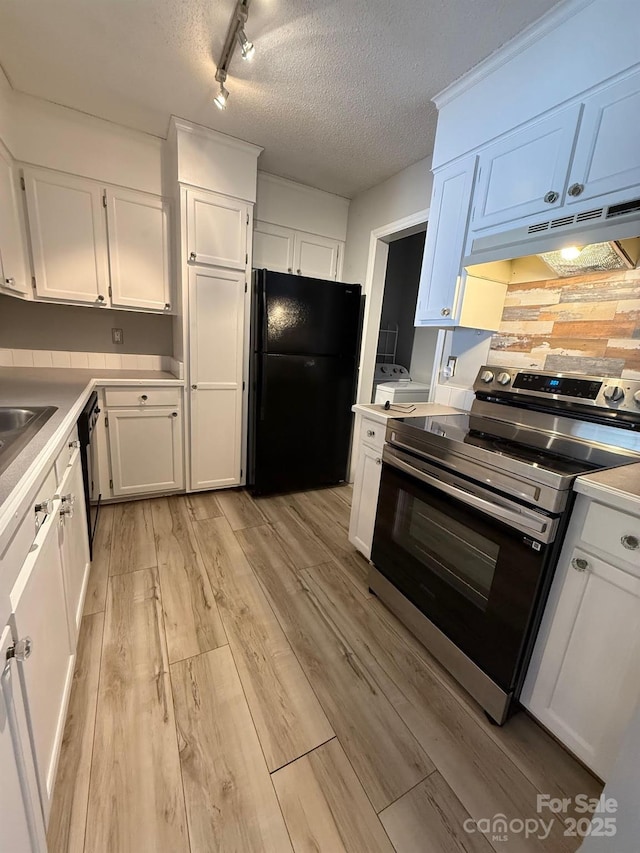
x,y
636,397
486,376
504,378
613,393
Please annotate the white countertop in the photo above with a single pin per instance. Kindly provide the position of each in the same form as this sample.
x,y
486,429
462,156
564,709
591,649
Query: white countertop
x,y
68,390
618,487
422,410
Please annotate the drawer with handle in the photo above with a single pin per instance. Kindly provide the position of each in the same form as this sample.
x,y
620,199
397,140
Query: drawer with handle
x,y
613,532
126,397
372,433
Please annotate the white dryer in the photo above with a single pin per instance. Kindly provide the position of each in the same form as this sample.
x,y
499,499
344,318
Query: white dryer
x,y
393,383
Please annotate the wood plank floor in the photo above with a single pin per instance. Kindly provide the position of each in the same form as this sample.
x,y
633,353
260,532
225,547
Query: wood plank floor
x,y
238,688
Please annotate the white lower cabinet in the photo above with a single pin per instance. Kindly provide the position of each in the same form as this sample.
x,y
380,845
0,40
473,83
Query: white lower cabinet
x,y
21,822
366,486
584,680
74,542
39,606
146,449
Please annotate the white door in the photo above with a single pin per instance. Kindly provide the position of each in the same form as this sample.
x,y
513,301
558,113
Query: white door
x,y
146,450
216,230
75,543
15,277
314,256
446,233
526,173
273,247
21,825
139,256
588,682
607,157
68,237
216,311
366,487
40,612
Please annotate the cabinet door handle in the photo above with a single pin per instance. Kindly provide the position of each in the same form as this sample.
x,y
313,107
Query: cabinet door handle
x,y
192,256
631,543
289,269
20,650
74,444
371,433
144,398
100,298
194,387
575,190
551,197
167,305
445,312
298,271
580,564
174,414
10,282
45,506
378,461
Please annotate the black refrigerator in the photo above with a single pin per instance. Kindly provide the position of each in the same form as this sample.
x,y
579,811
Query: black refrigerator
x,y
305,341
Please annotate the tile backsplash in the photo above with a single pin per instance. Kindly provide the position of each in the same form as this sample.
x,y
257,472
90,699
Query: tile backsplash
x,y
587,324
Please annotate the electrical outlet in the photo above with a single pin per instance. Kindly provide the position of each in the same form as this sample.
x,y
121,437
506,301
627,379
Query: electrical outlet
x,y
450,370
117,336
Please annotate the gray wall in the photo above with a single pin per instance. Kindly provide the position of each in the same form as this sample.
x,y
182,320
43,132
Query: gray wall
x,y
401,292
39,325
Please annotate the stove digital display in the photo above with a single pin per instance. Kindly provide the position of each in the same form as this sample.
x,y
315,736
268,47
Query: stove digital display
x,y
567,386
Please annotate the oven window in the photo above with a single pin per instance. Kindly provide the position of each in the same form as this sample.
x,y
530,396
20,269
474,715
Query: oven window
x,y
459,555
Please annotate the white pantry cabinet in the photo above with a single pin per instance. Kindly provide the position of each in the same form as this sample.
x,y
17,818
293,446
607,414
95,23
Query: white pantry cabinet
x,y
74,542
366,485
77,258
526,172
216,230
583,683
139,257
21,823
15,275
438,293
145,445
607,156
287,250
216,333
40,612
68,237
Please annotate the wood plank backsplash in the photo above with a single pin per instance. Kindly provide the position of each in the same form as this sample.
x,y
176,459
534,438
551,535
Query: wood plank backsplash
x,y
587,324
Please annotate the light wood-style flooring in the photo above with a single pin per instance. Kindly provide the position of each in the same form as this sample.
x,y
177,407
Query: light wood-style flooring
x,y
237,688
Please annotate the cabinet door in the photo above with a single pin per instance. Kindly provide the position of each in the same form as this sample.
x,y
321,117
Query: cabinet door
x,y
273,247
75,543
139,260
40,612
216,311
15,277
588,682
366,486
146,450
216,230
68,237
517,174
22,828
446,233
314,256
607,157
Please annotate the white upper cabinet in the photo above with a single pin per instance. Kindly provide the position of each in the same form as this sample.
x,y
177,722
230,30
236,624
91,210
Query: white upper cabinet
x,y
446,233
15,276
526,173
68,237
273,247
216,230
315,256
139,256
216,321
607,157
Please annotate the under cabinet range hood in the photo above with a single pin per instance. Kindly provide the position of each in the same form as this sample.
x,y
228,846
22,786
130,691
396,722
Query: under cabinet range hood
x,y
614,229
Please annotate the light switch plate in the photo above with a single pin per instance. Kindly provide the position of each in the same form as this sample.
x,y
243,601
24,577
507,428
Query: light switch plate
x,y
117,336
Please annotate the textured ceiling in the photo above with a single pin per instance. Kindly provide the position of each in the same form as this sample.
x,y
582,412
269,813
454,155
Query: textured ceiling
x,y
338,92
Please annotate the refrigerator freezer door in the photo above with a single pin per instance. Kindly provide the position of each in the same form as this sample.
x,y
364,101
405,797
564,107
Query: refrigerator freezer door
x,y
307,315
302,421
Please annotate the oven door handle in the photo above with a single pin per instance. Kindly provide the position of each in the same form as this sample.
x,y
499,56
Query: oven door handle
x,y
500,512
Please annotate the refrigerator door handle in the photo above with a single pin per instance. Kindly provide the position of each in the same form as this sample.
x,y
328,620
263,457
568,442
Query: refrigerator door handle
x,y
265,321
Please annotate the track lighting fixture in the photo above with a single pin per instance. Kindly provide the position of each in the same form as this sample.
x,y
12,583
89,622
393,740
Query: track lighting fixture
x,y
235,35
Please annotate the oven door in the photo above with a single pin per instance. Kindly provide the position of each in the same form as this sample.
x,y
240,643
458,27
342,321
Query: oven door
x,y
470,560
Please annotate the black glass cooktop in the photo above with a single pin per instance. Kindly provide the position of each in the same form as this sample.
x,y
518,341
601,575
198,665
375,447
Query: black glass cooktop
x,y
457,428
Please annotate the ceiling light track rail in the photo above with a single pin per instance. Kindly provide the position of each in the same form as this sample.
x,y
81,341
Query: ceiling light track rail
x,y
235,36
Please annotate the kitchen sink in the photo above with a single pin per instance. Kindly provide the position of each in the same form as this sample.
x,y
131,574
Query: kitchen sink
x,y
18,425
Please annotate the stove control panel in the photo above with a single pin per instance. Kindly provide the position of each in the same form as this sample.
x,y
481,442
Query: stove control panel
x,y
598,391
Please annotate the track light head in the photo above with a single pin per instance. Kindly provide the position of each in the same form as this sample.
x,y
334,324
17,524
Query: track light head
x,y
220,99
247,47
